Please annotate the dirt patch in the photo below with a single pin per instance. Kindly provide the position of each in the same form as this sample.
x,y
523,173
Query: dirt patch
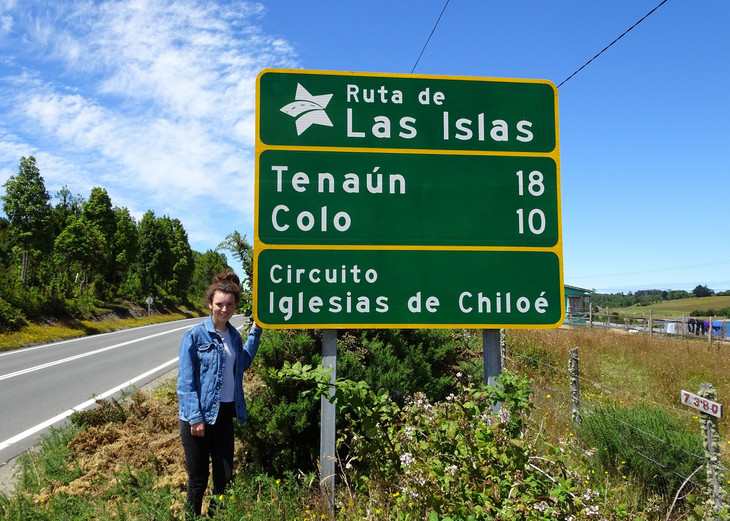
x,y
112,452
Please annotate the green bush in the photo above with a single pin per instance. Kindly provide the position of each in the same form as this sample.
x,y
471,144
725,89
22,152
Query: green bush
x,y
10,318
107,411
645,442
724,312
282,430
30,301
404,361
450,460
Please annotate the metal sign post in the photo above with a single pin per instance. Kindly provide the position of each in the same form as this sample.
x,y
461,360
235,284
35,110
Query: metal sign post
x,y
492,359
327,433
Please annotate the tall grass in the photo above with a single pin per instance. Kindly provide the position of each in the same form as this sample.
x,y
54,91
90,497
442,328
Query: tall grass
x,y
627,368
630,395
51,463
646,443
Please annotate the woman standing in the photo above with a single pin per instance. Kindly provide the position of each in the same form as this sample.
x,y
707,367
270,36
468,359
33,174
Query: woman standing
x,y
212,361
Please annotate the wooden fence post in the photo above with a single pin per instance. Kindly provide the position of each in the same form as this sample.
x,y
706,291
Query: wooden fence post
x,y
709,333
590,316
651,324
574,370
503,348
711,438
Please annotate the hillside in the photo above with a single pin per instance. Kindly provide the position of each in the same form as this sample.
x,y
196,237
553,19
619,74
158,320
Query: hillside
x,y
674,308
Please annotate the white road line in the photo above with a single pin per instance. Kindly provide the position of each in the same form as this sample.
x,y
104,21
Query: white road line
x,y
82,406
82,355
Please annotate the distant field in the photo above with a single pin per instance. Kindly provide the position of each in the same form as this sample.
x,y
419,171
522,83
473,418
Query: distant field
x,y
681,307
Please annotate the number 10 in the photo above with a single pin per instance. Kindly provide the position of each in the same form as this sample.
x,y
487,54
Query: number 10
x,y
535,221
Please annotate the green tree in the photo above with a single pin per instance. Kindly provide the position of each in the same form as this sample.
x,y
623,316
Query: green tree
x,y
677,294
125,244
154,261
702,291
242,251
206,265
66,209
98,213
183,264
26,204
79,248
5,261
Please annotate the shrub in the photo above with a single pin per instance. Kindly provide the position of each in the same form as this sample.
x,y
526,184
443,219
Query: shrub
x,y
107,411
282,430
405,361
645,442
450,460
10,319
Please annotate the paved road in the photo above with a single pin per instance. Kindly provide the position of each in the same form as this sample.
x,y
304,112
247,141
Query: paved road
x,y
40,386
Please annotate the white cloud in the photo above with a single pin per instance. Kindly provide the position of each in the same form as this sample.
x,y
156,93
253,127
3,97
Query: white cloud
x,y
152,100
6,24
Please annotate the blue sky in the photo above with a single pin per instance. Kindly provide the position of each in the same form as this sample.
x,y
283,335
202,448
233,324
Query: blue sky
x,y
154,100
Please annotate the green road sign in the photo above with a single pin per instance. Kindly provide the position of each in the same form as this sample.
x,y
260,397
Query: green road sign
x,y
320,109
341,198
408,288
444,191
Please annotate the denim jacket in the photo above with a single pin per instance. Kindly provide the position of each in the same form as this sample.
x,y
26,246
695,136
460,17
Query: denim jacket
x,y
200,371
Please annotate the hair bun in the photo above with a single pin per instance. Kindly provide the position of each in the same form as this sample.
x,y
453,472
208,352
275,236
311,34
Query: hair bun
x,y
227,277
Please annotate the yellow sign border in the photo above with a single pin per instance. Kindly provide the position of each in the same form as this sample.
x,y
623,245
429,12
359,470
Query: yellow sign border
x,y
259,246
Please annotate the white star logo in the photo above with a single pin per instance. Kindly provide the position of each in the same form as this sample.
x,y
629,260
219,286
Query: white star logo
x,y
308,110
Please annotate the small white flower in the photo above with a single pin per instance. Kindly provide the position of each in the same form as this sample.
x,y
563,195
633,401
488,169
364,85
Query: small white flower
x,y
407,459
592,511
590,494
504,415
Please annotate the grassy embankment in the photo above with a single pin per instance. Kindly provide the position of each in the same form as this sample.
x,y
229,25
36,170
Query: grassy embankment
x,y
109,469
33,334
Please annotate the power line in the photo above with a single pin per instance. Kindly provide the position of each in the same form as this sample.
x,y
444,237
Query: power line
x,y
430,35
610,44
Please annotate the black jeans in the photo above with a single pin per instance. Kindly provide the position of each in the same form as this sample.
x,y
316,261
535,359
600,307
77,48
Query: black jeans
x,y
216,447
